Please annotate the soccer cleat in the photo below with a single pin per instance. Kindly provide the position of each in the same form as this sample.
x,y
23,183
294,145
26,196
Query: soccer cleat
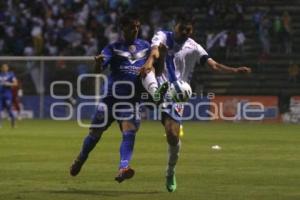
x,y
171,183
181,132
125,173
160,93
76,166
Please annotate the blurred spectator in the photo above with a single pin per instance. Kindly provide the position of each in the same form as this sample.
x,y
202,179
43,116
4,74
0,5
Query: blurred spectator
x,y
234,44
294,72
241,38
239,16
257,17
286,34
277,32
155,18
55,27
264,35
37,39
145,31
210,15
222,44
111,33
52,27
217,43
90,47
231,44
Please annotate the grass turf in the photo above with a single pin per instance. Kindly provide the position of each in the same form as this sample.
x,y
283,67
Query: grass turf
x,y
257,161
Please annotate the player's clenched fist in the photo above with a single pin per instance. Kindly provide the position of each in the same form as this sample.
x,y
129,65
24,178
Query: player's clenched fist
x,y
98,63
244,70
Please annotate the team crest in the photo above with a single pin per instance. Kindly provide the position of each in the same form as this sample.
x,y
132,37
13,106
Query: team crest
x,y
132,48
179,109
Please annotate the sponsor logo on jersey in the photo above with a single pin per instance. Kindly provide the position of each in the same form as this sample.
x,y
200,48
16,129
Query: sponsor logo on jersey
x,y
132,57
132,48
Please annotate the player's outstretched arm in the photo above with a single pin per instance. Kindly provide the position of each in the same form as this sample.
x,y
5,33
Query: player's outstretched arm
x,y
223,68
148,66
159,68
11,84
98,63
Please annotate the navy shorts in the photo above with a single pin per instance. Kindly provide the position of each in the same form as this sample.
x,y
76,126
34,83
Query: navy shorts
x,y
111,109
5,102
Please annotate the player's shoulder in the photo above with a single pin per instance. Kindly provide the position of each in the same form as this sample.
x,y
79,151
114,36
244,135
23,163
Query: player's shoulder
x,y
142,42
191,42
165,33
12,74
121,44
115,44
118,45
164,36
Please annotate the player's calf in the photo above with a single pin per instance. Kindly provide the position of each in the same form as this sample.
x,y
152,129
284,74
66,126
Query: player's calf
x,y
172,132
88,145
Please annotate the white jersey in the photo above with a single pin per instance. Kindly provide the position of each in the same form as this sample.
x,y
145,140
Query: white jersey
x,y
181,58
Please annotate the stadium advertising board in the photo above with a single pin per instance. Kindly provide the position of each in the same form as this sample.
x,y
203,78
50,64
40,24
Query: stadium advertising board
x,y
235,108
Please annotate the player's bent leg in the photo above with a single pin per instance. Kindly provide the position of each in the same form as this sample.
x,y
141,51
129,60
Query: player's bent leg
x,y
150,84
129,130
89,143
172,129
8,106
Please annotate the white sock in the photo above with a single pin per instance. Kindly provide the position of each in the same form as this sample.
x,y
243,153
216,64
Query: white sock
x,y
150,83
173,154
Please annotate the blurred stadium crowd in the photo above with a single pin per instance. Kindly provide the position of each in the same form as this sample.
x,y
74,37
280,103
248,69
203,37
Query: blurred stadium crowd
x,y
262,34
78,27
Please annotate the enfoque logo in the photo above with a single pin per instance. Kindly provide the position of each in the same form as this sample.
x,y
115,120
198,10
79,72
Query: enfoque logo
x,y
203,111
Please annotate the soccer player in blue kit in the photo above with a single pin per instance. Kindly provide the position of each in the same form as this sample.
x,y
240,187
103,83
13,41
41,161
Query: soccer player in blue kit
x,y
125,57
7,81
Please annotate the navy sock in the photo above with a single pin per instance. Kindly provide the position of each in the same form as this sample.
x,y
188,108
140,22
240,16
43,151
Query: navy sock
x,y
126,148
88,145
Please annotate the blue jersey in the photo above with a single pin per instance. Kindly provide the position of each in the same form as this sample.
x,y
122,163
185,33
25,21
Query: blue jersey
x,y
125,62
6,91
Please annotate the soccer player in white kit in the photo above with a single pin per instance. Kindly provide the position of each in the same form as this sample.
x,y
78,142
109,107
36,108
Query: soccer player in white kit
x,y
179,54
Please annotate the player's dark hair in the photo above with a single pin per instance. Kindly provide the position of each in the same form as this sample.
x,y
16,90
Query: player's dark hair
x,y
183,18
128,17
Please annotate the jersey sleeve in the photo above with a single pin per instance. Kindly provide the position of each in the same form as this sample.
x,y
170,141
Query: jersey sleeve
x,y
201,54
159,38
107,53
12,76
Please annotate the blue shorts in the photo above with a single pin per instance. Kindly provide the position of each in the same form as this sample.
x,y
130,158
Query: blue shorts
x,y
111,109
6,102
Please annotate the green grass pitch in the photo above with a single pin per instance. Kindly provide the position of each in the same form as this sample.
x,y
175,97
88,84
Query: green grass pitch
x,y
257,161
